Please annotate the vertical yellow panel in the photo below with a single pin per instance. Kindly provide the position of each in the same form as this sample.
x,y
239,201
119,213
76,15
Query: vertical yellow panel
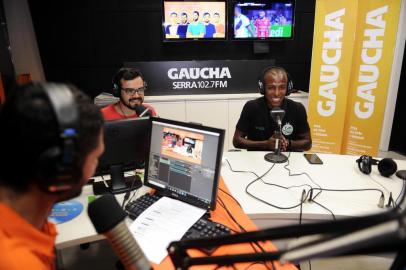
x,y
333,43
372,62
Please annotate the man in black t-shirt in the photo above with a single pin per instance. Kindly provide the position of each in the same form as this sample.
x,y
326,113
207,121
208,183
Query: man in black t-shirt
x,y
255,129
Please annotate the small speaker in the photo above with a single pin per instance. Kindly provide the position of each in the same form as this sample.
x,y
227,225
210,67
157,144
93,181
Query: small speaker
x,y
261,47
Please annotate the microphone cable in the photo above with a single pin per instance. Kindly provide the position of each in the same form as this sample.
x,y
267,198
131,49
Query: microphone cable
x,y
128,196
271,184
311,189
400,194
242,229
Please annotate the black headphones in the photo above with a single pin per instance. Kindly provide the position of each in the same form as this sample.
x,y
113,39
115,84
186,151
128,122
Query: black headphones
x,y
261,80
386,166
120,74
57,169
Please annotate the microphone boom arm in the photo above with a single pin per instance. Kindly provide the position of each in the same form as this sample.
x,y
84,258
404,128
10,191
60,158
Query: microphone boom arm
x,y
338,238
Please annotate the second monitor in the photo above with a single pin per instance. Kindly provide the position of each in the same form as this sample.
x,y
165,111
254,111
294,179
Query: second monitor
x,y
126,148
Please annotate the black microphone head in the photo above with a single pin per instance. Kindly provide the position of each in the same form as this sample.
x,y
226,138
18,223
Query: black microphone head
x,y
139,109
105,213
277,113
387,167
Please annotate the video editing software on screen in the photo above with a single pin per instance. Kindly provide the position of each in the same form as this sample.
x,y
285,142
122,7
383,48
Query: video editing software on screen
x,y
183,160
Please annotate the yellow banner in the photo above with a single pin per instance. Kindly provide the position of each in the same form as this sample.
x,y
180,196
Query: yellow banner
x,y
333,43
377,25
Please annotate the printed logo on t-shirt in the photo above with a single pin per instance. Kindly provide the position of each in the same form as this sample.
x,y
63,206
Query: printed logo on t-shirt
x,y
287,129
259,128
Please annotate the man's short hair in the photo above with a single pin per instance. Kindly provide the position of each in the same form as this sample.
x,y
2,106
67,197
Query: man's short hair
x,y
197,12
126,74
206,13
183,14
216,13
29,127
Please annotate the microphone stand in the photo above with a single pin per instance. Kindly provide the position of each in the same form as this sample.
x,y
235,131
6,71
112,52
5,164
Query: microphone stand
x,y
277,156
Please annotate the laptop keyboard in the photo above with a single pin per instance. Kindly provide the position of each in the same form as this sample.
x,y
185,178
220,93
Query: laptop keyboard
x,y
203,228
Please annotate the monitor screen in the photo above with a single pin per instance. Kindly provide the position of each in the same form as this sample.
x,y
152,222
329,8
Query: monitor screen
x,y
263,19
194,20
126,148
184,161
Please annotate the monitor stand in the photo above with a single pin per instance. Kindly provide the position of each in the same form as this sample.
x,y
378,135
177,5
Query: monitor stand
x,y
118,183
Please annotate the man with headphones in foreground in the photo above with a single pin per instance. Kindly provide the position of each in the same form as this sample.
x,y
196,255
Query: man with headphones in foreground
x,y
128,85
255,128
51,138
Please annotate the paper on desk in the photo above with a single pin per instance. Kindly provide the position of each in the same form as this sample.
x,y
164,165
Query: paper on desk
x,y
165,221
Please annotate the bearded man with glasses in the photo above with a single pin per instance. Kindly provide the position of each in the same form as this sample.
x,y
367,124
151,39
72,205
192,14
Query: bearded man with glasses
x,y
129,86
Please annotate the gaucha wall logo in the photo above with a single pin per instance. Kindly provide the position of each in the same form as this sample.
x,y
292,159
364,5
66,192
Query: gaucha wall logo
x,y
206,77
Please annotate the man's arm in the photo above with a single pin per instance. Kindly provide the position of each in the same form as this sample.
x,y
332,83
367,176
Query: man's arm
x,y
302,143
240,141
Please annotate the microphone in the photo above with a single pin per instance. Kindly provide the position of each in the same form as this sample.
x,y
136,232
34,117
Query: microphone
x,y
277,115
108,219
141,111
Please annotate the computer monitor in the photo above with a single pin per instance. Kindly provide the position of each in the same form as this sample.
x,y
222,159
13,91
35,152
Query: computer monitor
x,y
263,19
184,161
126,148
185,20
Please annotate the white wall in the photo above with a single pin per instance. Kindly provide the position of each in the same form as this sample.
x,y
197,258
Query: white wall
x,y
220,111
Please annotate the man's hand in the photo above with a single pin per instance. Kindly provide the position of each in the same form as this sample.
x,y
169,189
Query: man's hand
x,y
284,143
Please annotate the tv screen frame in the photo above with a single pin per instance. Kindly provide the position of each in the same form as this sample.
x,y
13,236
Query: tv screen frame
x,y
190,16
236,3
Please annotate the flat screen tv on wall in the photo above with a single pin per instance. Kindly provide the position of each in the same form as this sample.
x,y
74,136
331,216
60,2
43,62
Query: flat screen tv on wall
x,y
194,20
263,19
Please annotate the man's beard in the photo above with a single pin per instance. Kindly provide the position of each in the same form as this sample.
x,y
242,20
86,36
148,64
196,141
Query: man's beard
x,y
131,105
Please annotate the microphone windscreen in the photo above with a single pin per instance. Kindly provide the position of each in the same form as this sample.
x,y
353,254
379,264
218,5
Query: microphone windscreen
x,y
105,213
139,109
387,167
277,113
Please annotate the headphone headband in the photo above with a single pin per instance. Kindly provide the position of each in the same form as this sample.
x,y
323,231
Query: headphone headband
x,y
386,166
57,164
116,80
261,80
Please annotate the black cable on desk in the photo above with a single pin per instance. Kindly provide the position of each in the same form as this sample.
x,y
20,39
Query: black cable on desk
x,y
322,206
128,193
400,194
231,196
221,202
299,174
260,178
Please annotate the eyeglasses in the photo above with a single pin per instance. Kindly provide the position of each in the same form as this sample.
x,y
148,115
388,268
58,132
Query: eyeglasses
x,y
132,91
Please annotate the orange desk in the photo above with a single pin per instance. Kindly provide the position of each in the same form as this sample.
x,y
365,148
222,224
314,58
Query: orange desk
x,y
220,215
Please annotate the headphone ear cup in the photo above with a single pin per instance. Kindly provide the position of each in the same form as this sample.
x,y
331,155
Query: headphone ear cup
x,y
364,164
387,167
47,167
115,91
261,87
289,88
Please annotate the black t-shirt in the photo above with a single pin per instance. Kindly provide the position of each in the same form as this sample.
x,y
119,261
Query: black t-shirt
x,y
256,121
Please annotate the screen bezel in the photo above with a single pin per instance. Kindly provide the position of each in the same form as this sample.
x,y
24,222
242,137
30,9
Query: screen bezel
x,y
170,40
231,30
191,200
